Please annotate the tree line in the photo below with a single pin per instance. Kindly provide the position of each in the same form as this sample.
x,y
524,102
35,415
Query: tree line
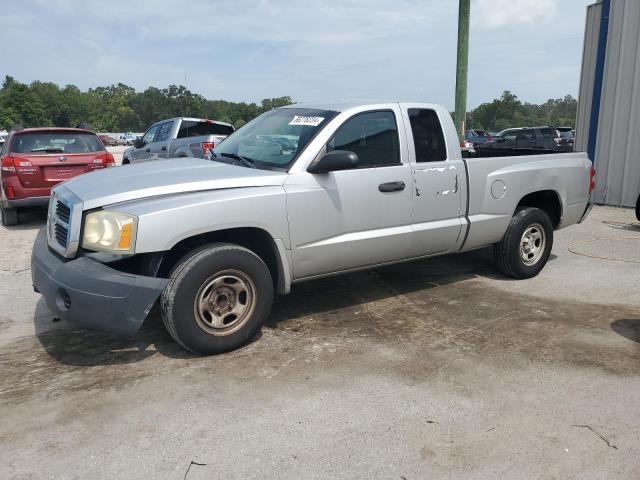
x,y
120,108
509,111
116,108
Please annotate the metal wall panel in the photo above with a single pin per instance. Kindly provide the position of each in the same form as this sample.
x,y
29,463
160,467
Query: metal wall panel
x,y
618,146
589,51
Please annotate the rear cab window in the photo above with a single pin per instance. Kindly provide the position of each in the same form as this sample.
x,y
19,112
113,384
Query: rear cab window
x,y
428,138
193,128
42,143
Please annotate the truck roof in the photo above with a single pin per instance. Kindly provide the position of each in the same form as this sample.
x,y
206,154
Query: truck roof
x,y
344,105
194,119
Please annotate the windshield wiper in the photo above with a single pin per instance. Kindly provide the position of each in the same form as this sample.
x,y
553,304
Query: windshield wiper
x,y
48,150
246,161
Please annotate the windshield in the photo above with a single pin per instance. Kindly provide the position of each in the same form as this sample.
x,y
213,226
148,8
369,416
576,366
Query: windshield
x,y
275,138
55,142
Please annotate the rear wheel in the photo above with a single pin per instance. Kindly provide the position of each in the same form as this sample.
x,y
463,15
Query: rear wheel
x,y
217,299
126,161
526,245
9,216
638,208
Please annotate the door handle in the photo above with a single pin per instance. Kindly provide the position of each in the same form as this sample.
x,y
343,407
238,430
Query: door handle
x,y
391,187
148,150
164,149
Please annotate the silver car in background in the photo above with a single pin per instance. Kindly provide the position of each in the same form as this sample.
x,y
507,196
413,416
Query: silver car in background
x,y
177,138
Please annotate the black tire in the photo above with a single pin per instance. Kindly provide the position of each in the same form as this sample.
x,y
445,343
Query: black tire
x,y
189,280
638,208
125,161
508,253
9,216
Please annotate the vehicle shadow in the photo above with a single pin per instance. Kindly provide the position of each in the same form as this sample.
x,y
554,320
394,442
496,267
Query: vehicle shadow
x,y
627,328
71,345
332,293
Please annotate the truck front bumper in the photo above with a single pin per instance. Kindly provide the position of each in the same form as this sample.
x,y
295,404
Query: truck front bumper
x,y
91,294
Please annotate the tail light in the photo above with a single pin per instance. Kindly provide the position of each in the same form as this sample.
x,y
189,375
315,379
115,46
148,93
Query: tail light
x,y
102,161
206,146
11,193
592,179
10,164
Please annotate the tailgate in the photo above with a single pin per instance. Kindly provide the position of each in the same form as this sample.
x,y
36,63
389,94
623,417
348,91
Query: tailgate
x,y
42,171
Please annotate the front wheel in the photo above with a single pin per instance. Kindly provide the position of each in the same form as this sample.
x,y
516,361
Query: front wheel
x,y
217,299
526,245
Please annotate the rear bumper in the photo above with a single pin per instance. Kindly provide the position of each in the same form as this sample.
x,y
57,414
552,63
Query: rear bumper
x,y
587,210
91,294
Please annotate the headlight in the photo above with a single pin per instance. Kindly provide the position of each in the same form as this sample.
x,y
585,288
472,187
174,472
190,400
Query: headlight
x,y
109,231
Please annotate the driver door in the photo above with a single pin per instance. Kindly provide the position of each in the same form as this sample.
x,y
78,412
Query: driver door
x,y
144,152
354,218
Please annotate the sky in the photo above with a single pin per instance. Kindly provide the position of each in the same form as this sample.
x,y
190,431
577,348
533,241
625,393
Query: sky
x,y
311,50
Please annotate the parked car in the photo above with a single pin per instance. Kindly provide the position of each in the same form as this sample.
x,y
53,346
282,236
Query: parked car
x,y
177,138
36,159
128,138
367,184
564,138
518,141
476,137
108,141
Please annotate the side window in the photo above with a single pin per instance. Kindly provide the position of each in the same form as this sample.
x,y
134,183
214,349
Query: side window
x,y
427,135
150,135
372,136
525,136
163,133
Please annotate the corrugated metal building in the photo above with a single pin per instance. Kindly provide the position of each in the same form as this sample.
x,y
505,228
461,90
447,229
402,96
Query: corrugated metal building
x,y
608,123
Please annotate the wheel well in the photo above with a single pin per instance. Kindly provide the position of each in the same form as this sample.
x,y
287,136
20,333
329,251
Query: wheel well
x,y
257,240
547,201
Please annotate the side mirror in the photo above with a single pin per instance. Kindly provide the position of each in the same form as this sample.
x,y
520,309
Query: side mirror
x,y
334,161
138,143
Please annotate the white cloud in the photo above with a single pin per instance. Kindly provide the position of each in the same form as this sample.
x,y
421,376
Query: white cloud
x,y
490,14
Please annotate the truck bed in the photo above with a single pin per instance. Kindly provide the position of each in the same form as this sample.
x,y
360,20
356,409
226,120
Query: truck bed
x,y
495,184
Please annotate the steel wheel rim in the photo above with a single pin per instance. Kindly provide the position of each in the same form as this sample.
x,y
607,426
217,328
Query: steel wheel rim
x,y
532,244
225,302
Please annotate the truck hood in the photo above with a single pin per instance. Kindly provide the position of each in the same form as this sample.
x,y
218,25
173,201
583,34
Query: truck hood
x,y
165,177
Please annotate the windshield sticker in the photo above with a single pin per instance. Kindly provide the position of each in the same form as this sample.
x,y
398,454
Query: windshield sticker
x,y
309,121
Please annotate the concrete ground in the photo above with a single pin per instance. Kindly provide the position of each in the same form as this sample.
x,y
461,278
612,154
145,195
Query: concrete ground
x,y
435,369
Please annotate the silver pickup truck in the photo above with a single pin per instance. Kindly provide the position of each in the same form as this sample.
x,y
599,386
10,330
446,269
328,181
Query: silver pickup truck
x,y
299,193
177,138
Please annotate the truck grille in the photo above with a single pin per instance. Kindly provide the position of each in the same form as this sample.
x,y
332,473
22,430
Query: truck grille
x,y
61,234
63,212
61,225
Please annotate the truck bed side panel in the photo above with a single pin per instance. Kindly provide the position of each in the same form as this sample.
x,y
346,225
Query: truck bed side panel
x,y
497,184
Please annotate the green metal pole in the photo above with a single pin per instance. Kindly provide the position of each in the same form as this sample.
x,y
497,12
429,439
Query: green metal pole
x,y
462,66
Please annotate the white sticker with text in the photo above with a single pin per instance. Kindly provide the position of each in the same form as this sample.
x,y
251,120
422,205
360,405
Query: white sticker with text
x,y
309,121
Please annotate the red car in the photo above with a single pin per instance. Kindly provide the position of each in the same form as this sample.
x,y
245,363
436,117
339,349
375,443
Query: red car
x,y
35,160
108,141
